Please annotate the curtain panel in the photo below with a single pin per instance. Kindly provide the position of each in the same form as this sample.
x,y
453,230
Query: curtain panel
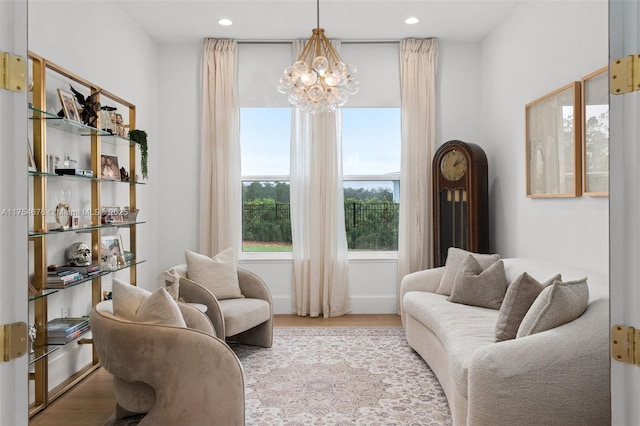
x,y
418,64
220,211
320,275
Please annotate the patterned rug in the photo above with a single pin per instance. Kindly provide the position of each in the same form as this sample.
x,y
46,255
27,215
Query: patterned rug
x,y
337,376
340,376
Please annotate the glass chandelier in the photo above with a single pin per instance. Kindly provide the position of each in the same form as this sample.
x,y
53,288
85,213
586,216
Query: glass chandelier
x,y
319,80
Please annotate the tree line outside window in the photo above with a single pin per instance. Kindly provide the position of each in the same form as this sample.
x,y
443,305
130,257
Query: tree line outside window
x,y
371,217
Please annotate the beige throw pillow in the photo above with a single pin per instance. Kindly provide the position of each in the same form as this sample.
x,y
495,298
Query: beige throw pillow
x,y
455,257
127,299
477,287
218,274
160,308
558,304
520,296
137,304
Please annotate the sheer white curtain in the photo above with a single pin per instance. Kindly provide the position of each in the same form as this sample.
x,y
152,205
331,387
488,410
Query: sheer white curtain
x,y
418,64
320,284
220,184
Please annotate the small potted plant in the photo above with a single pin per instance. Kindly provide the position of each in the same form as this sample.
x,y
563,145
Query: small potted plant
x,y
140,136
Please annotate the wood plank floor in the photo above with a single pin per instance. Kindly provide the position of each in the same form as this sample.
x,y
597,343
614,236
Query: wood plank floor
x,y
91,402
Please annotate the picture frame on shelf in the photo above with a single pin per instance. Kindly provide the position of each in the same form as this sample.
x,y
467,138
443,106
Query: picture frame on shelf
x,y
595,133
109,168
553,144
111,214
112,251
69,106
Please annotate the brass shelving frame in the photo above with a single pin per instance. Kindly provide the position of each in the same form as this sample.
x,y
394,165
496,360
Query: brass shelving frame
x,y
41,120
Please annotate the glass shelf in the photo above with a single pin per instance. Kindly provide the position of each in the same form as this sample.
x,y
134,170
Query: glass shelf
x,y
42,351
66,125
81,281
80,230
84,229
42,293
78,128
98,275
49,174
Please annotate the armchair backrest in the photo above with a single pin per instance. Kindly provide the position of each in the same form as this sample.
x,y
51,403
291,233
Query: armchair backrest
x,y
195,376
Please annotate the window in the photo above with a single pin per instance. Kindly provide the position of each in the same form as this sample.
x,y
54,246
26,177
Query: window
x,y
264,140
371,140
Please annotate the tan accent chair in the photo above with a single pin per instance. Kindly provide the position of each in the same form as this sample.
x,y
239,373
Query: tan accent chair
x,y
247,320
178,376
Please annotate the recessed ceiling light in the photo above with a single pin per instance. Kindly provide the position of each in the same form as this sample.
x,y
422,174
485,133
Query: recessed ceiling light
x,y
412,20
224,21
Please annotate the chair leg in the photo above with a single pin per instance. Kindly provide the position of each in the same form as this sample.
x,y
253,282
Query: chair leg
x,y
260,335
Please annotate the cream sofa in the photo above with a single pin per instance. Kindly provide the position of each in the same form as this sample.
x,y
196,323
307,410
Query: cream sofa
x,y
555,377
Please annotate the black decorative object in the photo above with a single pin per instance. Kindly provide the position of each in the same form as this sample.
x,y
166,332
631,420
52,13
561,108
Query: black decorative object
x,y
90,107
124,175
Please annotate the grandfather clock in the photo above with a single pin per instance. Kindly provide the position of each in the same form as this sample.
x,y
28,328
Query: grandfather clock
x,y
460,199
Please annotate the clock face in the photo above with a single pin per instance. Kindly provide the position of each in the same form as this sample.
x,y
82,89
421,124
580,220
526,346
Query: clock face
x,y
453,165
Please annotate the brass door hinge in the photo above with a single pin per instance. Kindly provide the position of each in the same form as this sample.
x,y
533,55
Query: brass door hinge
x,y
13,341
13,72
625,344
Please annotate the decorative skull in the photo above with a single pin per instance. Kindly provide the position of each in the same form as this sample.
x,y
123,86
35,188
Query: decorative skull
x,y
78,254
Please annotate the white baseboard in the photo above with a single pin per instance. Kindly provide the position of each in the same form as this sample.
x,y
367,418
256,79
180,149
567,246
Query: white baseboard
x,y
359,305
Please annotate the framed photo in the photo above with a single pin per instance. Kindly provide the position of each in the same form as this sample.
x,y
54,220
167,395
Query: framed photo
x,y
111,245
69,105
553,148
109,168
31,161
111,215
595,133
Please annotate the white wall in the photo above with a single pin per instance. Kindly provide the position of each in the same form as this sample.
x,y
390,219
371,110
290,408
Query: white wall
x,y
97,42
372,281
541,47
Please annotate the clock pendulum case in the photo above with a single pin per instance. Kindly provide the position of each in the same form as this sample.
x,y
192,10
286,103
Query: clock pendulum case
x,y
460,199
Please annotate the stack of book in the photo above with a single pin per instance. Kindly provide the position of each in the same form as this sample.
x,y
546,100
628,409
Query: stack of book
x,y
65,275
61,279
63,330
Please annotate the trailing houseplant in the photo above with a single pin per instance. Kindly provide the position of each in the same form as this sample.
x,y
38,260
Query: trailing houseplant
x,y
140,136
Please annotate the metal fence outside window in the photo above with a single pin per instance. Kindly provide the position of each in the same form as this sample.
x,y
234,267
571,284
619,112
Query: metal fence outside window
x,y
369,225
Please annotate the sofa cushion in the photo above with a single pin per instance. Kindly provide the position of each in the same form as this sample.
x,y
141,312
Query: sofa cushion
x,y
558,304
218,274
455,257
461,328
519,297
243,314
477,287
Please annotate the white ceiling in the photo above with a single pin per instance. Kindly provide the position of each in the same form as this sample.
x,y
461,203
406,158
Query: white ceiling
x,y
170,21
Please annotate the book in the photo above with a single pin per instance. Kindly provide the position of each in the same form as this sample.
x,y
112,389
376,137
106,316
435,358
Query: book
x,y
65,327
84,270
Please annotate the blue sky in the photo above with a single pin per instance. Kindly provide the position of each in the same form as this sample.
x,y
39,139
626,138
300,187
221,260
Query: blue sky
x,y
371,141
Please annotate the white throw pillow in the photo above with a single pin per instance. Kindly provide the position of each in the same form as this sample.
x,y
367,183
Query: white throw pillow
x,y
160,308
137,304
455,257
218,274
127,299
558,304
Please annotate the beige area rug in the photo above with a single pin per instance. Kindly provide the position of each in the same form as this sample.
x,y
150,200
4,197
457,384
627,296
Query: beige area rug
x,y
337,376
340,376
